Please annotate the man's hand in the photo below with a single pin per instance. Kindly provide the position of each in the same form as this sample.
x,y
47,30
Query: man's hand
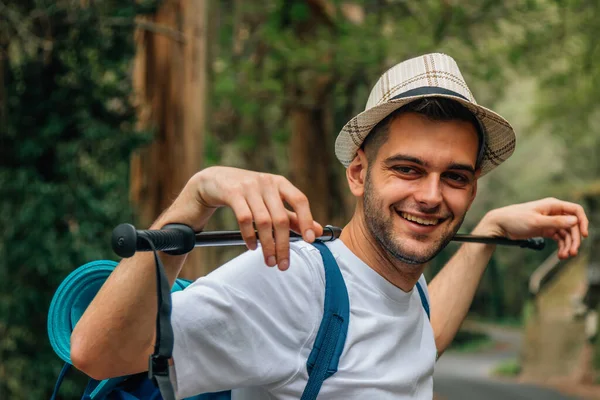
x,y
562,221
551,218
257,199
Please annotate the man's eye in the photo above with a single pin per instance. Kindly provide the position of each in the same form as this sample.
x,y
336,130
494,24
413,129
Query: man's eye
x,y
457,177
404,170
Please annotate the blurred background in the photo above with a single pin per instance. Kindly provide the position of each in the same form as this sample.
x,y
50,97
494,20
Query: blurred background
x,y
108,107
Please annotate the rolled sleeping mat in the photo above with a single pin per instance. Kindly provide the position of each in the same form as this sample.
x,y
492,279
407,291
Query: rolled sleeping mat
x,y
71,299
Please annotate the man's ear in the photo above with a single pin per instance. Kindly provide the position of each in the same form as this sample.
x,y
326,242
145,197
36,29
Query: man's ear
x,y
356,173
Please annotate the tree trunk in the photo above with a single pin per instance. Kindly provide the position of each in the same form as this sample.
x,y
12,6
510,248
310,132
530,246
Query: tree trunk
x,y
310,150
170,85
313,166
310,159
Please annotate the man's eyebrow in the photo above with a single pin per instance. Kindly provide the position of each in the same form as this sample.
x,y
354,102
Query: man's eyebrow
x,y
463,167
404,157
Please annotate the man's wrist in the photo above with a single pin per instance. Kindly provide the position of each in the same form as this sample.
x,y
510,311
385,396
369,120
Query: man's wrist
x,y
185,210
196,221
489,225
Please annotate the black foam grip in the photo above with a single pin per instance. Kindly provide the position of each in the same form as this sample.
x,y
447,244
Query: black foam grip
x,y
163,240
172,239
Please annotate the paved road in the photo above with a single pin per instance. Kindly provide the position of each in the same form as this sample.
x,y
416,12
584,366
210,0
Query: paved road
x,y
456,388
460,376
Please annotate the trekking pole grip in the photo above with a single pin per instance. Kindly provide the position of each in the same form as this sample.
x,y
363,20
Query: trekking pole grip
x,y
173,239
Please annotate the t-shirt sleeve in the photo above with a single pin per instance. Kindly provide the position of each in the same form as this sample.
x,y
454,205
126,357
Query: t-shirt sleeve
x,y
246,324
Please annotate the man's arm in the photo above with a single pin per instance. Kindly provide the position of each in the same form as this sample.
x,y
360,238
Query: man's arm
x,y
116,334
453,288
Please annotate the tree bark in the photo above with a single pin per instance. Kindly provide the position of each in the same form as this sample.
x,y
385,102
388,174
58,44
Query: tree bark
x,y
170,86
313,166
310,159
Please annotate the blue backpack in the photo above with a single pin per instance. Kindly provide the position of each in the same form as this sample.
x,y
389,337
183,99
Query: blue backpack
x,y
79,288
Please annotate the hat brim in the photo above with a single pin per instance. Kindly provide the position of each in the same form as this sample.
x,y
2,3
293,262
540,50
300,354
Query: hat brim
x,y
500,139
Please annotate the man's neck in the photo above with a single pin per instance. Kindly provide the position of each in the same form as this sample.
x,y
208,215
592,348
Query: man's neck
x,y
357,237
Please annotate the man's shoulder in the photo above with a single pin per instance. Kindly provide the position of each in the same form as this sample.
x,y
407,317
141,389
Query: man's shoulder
x,y
301,253
306,250
248,272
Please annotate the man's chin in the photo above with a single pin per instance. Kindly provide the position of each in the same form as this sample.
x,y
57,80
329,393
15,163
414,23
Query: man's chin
x,y
409,254
417,253
414,258
410,259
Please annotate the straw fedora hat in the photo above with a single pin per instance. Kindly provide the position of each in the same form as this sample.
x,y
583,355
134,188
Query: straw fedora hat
x,y
431,75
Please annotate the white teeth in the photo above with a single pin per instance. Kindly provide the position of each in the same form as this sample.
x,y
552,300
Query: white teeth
x,y
422,221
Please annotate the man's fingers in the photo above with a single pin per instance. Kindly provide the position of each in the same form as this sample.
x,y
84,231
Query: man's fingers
x,y
244,217
264,226
557,221
576,236
557,207
281,226
567,245
556,237
317,228
299,203
569,230
561,245
258,200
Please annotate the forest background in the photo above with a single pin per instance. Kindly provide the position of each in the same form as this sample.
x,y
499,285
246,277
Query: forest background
x,y
108,107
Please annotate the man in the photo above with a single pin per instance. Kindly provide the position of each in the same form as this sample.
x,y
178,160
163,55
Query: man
x,y
413,159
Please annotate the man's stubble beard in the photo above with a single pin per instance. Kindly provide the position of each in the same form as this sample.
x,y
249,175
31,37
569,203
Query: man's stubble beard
x,y
381,228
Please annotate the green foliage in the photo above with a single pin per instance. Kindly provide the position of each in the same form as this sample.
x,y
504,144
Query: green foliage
x,y
67,133
467,341
508,369
274,56
560,50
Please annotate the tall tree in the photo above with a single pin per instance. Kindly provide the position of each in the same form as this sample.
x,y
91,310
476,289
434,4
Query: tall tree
x,y
309,83
170,90
67,132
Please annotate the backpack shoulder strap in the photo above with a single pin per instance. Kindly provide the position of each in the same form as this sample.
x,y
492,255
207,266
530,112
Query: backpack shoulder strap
x,y
63,372
329,343
423,299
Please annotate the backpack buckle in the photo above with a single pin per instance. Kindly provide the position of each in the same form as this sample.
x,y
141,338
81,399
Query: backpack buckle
x,y
158,366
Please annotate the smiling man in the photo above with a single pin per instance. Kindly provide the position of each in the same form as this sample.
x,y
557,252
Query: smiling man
x,y
413,159
430,191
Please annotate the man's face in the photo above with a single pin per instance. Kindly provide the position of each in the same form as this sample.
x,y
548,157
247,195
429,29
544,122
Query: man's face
x,y
420,186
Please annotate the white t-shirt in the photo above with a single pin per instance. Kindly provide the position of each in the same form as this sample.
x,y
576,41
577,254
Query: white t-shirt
x,y
251,327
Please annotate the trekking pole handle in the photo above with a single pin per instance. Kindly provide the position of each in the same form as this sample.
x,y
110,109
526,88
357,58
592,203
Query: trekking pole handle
x,y
172,239
234,238
181,239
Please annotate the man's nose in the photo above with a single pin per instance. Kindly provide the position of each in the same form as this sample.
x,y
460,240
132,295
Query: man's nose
x,y
429,192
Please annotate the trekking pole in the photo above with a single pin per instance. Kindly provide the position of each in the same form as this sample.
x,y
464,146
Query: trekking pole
x,y
181,239
536,243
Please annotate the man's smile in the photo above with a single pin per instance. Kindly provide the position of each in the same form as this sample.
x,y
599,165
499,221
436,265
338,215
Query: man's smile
x,y
421,223
419,220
